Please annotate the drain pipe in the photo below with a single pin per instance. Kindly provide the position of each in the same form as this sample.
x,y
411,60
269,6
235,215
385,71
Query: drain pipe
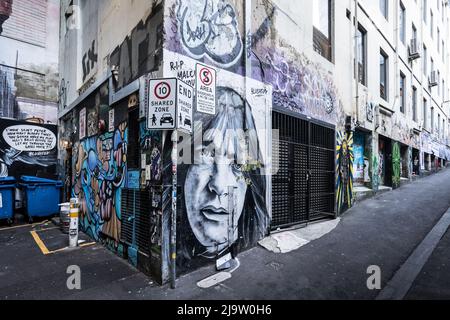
x,y
356,61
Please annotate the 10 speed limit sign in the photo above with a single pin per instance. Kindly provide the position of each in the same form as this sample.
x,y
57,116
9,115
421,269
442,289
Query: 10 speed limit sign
x,y
162,104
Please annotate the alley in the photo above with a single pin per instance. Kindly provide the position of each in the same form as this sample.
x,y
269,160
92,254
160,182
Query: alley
x,y
382,231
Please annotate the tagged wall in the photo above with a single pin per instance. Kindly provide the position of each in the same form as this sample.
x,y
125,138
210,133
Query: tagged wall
x,y
223,205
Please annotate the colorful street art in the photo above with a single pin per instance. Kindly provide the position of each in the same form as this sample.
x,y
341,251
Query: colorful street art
x,y
100,170
396,165
344,170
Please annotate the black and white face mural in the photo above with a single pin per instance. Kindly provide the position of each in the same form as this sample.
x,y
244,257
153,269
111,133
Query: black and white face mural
x,y
225,189
219,184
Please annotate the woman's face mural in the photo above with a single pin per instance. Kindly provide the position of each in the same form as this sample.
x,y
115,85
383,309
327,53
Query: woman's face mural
x,y
216,186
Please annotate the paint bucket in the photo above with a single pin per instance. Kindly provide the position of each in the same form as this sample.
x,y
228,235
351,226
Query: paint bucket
x,y
64,217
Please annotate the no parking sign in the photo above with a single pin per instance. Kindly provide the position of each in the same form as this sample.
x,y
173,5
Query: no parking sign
x,y
206,89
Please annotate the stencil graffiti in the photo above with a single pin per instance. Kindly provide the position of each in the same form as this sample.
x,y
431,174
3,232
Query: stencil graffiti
x,y
210,28
99,175
344,170
26,149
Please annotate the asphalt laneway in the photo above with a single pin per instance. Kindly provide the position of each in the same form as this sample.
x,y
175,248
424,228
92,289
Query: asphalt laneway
x,y
382,231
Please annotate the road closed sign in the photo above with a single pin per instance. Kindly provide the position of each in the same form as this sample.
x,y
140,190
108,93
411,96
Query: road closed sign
x,y
162,104
206,89
185,102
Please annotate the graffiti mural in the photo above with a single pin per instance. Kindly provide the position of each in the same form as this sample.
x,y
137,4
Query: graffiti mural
x,y
5,12
344,170
27,149
298,86
227,209
141,51
210,28
396,164
99,175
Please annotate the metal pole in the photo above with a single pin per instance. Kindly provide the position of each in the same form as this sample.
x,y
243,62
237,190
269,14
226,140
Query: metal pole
x,y
173,226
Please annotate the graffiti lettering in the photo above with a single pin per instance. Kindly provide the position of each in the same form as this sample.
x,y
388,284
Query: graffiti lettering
x,y
141,52
210,28
89,60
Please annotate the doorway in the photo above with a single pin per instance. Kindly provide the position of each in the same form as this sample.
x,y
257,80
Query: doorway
x,y
304,185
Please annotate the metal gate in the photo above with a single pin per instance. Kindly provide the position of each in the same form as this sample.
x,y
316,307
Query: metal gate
x,y
304,185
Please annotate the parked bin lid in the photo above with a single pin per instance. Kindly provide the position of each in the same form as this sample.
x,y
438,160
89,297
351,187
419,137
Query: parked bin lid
x,y
7,180
35,180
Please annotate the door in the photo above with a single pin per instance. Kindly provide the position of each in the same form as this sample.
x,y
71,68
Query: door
x,y
303,184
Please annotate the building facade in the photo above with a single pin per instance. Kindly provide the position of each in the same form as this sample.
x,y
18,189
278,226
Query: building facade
x,y
285,75
29,81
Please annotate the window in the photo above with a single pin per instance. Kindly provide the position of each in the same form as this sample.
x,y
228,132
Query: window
x,y
361,43
431,23
432,120
402,23
439,84
322,28
402,92
384,8
438,40
414,104
439,125
425,114
424,10
425,60
383,75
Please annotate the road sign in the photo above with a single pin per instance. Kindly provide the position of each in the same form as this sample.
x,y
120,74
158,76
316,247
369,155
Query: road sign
x,y
185,102
162,104
206,89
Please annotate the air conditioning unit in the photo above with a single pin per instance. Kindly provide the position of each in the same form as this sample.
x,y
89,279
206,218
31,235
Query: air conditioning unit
x,y
433,80
414,52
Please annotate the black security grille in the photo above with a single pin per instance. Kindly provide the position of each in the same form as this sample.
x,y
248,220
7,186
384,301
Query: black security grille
x,y
303,186
136,222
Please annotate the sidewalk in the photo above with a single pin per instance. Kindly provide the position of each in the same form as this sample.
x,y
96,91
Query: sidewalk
x,y
381,231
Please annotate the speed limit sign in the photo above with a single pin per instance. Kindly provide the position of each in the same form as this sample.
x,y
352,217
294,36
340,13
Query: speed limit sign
x,y
162,104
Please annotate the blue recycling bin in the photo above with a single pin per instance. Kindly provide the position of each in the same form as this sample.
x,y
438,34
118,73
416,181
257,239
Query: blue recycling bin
x,y
7,190
41,196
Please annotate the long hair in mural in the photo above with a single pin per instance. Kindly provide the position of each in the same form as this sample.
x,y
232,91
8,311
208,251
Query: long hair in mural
x,y
224,203
99,175
344,170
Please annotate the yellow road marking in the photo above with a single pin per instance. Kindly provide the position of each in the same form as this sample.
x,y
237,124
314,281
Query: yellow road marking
x,y
24,226
44,249
42,230
39,242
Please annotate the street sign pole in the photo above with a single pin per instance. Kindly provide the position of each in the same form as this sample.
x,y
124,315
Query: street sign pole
x,y
173,227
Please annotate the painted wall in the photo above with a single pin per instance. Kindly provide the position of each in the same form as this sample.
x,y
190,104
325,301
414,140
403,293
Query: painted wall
x,y
27,149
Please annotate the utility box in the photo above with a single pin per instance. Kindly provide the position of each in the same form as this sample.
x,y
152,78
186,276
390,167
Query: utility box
x,y
7,189
41,196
